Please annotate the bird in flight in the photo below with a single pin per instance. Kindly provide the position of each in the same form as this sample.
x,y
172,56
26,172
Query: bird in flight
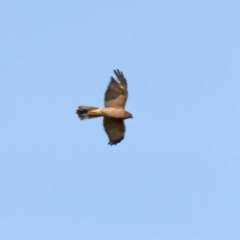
x,y
113,112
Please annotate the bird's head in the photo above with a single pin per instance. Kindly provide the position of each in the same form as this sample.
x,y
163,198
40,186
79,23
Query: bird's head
x,y
128,115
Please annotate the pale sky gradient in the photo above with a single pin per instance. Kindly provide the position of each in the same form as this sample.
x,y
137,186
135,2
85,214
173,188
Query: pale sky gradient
x,y
176,175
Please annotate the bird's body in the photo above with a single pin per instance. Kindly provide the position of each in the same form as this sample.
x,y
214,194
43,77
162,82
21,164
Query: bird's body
x,y
114,110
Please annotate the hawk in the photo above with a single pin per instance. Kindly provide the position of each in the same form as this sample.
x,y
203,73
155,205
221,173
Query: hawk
x,y
113,112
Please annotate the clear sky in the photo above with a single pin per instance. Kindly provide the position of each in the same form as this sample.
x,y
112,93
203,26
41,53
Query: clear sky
x,y
176,175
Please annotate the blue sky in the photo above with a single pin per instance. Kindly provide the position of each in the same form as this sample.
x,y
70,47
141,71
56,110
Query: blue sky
x,y
175,175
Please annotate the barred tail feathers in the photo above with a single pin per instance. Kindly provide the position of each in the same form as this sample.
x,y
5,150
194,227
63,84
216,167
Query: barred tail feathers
x,y
86,112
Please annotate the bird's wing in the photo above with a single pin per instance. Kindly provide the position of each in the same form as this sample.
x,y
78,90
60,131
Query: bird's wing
x,y
115,129
116,93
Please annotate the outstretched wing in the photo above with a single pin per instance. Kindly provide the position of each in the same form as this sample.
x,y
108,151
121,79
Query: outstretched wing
x,y
116,93
115,129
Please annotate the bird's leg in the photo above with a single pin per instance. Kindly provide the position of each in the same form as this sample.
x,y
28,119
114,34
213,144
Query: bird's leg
x,y
92,112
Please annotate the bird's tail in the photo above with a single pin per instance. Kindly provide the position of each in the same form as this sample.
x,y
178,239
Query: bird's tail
x,y
86,112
